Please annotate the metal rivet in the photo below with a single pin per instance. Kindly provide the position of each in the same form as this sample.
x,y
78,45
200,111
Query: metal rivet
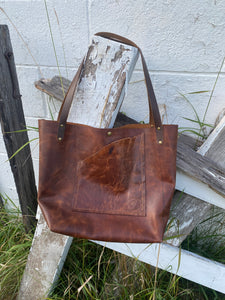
x,y
59,138
160,142
109,133
61,125
158,128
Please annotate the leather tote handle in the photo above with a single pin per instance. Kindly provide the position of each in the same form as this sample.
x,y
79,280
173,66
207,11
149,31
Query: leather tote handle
x,y
68,99
155,119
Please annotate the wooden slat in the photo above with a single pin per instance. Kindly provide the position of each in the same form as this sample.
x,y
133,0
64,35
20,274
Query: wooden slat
x,y
201,167
12,119
216,151
54,86
177,261
95,104
1,203
198,189
190,211
185,214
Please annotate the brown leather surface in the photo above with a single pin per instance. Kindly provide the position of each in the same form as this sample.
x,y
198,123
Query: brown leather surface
x,y
115,175
107,184
113,187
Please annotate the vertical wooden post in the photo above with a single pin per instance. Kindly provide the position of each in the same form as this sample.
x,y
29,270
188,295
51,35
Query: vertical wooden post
x,y
12,119
1,203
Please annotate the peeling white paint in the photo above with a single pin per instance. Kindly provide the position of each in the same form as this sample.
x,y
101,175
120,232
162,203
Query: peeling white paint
x,y
39,230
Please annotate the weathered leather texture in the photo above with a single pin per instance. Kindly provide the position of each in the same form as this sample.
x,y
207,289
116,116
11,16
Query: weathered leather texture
x,y
113,186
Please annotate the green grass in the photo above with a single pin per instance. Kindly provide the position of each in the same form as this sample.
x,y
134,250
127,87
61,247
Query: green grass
x,y
208,238
110,275
114,276
14,248
94,272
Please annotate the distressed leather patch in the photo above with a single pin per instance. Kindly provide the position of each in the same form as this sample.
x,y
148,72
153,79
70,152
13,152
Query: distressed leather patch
x,y
112,180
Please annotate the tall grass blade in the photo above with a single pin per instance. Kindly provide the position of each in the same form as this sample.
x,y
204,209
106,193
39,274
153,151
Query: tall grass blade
x,y
14,248
201,123
213,89
19,34
50,110
192,131
156,272
28,128
198,92
192,106
53,44
21,148
61,36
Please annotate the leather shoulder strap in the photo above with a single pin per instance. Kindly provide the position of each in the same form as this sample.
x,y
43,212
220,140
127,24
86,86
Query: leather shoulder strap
x,y
66,105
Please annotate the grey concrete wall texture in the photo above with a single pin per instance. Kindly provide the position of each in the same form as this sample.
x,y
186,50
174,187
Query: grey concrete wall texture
x,y
183,43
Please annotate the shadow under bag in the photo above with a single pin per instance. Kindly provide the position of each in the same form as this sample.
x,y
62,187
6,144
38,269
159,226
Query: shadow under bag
x,y
107,184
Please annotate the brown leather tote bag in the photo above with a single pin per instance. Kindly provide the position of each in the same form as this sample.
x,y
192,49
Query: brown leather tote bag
x,y
107,184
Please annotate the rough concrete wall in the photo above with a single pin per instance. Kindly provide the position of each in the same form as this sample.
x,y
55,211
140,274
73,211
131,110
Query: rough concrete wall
x,y
183,43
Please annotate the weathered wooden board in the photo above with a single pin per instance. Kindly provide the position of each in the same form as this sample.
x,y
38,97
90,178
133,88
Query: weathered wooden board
x,y
201,167
1,203
177,261
185,214
12,119
99,96
213,149
190,211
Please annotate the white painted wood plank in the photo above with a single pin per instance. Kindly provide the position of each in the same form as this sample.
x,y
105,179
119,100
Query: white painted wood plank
x,y
188,210
177,261
185,214
198,189
212,137
45,261
98,98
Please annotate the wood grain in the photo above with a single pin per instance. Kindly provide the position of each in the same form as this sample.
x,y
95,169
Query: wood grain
x,y
189,211
12,119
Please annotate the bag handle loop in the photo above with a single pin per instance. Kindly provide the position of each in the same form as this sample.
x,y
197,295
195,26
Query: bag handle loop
x,y
154,115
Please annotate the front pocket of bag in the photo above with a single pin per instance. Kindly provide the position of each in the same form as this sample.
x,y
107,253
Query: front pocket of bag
x,y
112,180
